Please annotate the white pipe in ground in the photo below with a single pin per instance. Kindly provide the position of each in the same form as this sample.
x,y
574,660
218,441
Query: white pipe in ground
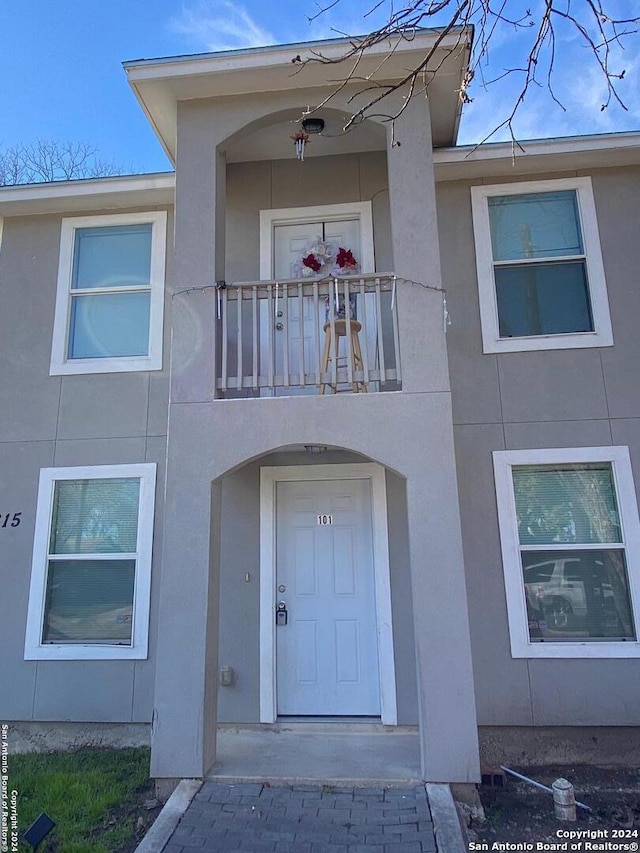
x,y
564,801
538,785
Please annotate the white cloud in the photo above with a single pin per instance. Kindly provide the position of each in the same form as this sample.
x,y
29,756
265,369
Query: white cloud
x,y
220,25
589,91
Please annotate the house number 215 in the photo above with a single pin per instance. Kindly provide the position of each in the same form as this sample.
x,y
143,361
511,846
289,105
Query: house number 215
x,y
325,519
15,519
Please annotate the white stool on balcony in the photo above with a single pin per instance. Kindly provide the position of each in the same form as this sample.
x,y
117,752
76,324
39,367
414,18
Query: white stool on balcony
x,y
332,349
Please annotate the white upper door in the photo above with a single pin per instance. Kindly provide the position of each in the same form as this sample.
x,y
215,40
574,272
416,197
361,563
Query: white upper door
x,y
326,653
289,242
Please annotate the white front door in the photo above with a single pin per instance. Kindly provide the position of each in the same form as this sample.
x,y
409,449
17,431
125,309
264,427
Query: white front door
x,y
326,653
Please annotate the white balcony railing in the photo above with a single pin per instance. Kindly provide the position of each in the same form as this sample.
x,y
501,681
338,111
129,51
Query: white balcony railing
x,y
308,337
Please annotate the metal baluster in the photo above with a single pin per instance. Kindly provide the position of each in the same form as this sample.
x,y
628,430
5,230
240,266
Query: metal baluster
x,y
363,322
301,333
254,319
239,299
285,336
396,335
316,326
225,337
383,374
270,324
332,323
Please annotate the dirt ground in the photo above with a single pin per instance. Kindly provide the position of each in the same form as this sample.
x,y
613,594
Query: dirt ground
x,y
521,813
141,813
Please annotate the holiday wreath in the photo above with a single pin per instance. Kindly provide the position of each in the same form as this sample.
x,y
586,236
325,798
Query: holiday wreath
x,y
325,258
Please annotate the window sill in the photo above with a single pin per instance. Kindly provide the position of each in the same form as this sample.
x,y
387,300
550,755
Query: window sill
x,y
594,650
105,365
79,651
535,343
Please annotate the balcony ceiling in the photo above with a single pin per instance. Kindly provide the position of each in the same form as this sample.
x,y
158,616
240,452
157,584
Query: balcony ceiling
x,y
160,83
274,142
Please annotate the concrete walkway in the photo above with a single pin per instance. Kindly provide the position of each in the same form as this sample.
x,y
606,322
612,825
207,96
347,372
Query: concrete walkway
x,y
305,818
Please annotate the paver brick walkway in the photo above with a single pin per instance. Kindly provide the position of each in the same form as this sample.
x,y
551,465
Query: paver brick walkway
x,y
258,818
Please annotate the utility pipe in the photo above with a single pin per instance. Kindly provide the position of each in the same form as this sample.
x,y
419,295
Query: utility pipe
x,y
538,785
564,801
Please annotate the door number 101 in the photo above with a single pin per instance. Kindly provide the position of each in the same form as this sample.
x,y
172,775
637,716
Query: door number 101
x,y
325,519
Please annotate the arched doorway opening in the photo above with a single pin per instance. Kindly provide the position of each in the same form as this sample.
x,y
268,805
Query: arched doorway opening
x,y
326,536
332,688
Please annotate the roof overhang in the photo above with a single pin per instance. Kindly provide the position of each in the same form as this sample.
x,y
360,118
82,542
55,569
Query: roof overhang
x,y
529,157
160,83
99,194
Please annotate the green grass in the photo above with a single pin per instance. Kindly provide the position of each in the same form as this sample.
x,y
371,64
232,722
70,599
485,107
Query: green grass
x,y
88,793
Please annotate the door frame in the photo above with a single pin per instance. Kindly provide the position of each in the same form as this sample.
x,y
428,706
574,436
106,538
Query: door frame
x,y
360,210
269,477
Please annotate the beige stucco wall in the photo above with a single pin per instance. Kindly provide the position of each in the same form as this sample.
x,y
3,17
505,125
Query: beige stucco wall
x,y
563,398
252,187
50,421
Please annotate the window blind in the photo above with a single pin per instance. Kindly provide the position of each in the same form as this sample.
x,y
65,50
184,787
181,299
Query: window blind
x,y
569,504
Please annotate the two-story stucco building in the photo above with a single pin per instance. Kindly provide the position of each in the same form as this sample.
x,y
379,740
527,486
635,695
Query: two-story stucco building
x,y
256,467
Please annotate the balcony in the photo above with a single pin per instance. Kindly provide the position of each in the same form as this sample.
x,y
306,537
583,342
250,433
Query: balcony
x,y
298,337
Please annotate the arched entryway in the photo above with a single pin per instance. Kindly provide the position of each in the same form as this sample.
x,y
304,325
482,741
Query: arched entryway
x,y
328,691
312,537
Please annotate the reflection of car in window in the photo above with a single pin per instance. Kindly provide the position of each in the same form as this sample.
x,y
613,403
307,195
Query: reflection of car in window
x,y
558,593
568,592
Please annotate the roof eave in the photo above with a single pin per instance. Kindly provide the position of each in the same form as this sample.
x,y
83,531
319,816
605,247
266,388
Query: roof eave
x,y
528,157
278,55
111,193
158,84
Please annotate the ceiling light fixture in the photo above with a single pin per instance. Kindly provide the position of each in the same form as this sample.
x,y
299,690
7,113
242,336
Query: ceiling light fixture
x,y
313,125
315,449
310,126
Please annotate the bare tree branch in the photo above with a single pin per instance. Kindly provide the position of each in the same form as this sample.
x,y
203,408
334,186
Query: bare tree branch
x,y
541,29
46,160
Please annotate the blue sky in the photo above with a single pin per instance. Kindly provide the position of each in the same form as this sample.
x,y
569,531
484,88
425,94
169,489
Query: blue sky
x,y
60,63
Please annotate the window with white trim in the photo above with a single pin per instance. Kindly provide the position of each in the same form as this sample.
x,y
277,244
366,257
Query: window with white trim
x,y
91,570
570,551
110,299
540,273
